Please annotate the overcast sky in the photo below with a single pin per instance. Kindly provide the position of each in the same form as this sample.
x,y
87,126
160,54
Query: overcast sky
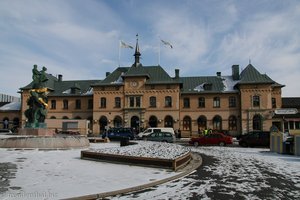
x,y
80,38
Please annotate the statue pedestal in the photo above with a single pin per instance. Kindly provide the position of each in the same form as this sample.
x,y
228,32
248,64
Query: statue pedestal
x,y
36,132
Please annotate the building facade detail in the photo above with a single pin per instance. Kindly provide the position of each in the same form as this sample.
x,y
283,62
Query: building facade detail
x,y
147,96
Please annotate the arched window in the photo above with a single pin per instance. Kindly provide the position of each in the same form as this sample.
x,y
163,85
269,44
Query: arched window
x,y
52,117
257,123
169,121
232,123
187,123
153,121
117,122
16,122
202,123
217,123
5,123
103,123
65,117
77,117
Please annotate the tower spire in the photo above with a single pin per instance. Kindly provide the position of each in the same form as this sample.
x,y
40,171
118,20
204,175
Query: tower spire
x,y
137,53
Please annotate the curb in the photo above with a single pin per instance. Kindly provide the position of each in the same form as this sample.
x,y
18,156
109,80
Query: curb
x,y
191,167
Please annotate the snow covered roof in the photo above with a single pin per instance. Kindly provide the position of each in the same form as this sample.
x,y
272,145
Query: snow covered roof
x,y
11,106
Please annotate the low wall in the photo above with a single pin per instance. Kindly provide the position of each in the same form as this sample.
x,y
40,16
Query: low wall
x,y
44,142
144,161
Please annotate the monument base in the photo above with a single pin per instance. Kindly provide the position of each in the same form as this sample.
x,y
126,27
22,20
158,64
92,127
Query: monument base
x,y
36,132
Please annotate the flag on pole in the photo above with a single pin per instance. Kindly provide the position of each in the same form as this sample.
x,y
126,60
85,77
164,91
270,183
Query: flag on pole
x,y
167,43
124,45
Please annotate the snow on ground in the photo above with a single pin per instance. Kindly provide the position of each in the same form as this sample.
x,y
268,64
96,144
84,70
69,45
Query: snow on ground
x,y
233,173
227,172
148,149
60,174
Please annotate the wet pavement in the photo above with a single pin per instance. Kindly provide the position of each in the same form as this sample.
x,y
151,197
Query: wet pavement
x,y
226,174
7,172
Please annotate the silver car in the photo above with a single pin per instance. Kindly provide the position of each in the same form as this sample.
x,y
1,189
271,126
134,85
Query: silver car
x,y
161,137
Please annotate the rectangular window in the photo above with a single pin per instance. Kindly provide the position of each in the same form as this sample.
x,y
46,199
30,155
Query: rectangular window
x,y
103,102
186,102
135,102
297,125
131,102
232,102
53,104
273,102
216,102
168,101
201,102
65,104
291,125
256,101
153,102
118,102
78,104
138,102
90,104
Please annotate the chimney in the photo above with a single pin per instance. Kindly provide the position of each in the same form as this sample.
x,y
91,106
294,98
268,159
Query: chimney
x,y
219,74
177,73
235,72
60,77
107,74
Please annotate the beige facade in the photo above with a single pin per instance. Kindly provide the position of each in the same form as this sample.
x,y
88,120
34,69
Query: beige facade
x,y
146,96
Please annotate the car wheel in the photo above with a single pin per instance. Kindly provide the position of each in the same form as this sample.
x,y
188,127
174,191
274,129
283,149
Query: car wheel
x,y
222,144
196,144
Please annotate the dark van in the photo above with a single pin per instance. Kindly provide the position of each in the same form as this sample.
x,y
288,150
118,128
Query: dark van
x,y
119,133
255,138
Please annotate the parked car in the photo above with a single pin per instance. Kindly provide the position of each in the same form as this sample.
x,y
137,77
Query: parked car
x,y
5,131
255,138
148,131
160,137
212,139
119,133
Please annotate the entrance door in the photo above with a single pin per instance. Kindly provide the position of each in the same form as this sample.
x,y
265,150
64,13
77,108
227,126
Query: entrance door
x,y
135,124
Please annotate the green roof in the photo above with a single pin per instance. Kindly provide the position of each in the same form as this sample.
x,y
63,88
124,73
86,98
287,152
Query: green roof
x,y
154,75
250,75
204,84
64,88
48,84
157,75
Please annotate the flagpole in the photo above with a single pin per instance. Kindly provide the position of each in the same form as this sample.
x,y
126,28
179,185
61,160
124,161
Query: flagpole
x,y
159,52
119,52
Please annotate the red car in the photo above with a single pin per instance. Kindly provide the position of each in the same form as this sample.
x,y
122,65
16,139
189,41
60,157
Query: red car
x,y
212,139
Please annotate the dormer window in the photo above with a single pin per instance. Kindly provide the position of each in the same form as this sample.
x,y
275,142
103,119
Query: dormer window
x,y
207,86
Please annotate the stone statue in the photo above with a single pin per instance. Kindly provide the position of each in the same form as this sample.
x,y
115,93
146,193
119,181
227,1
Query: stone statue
x,y
38,101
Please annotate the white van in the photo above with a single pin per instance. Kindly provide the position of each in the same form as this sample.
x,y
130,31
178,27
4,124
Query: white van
x,y
156,129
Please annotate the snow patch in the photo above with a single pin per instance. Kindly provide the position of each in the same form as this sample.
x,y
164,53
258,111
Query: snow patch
x,y
148,150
